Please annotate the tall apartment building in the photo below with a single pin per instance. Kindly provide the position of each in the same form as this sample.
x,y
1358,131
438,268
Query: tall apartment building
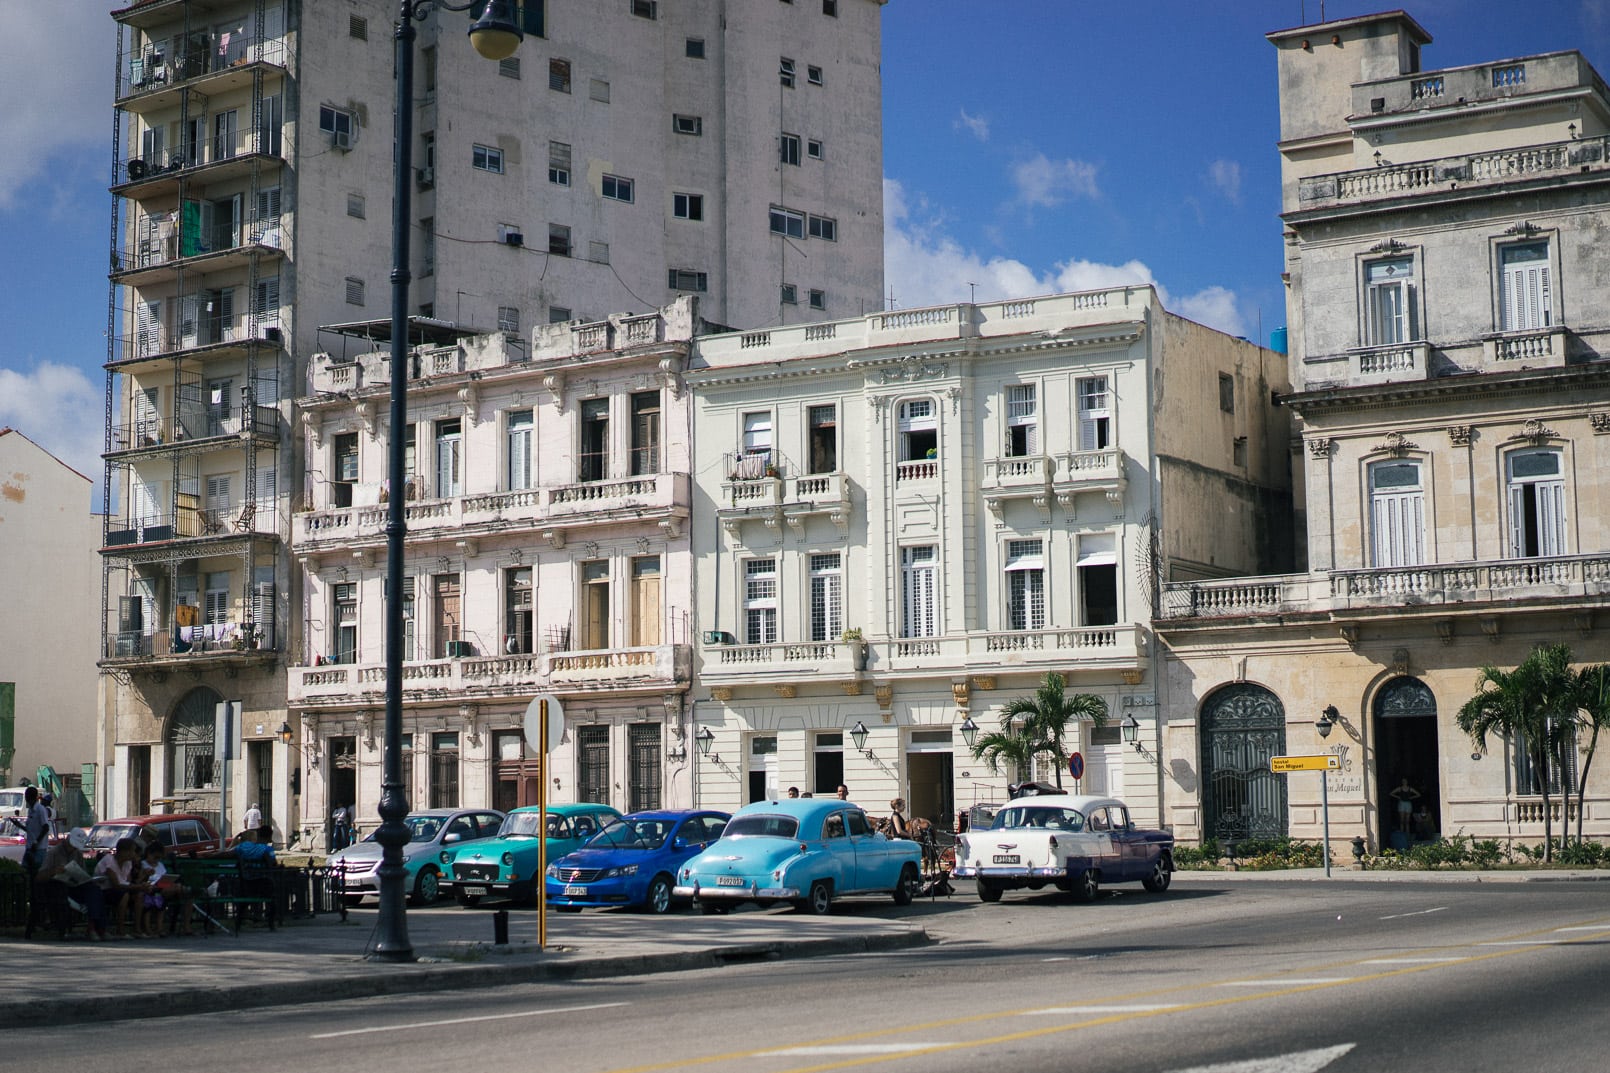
x,y
627,154
1449,313
907,519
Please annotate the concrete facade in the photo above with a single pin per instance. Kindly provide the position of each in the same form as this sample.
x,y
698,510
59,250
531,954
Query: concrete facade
x,y
905,520
48,539
1448,310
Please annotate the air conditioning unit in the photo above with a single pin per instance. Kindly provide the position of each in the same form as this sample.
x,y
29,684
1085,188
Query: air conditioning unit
x,y
273,334
427,176
514,238
460,649
136,168
341,139
718,637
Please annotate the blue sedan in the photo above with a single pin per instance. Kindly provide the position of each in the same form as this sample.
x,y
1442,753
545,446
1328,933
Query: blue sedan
x,y
805,851
633,861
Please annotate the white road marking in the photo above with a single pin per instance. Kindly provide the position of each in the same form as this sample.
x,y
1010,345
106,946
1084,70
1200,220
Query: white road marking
x,y
1528,942
465,1020
854,1048
1587,927
1059,1011
1295,1062
1410,961
1056,959
1289,982
1416,913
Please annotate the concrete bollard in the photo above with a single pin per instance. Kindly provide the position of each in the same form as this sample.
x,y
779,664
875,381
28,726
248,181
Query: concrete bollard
x,y
500,928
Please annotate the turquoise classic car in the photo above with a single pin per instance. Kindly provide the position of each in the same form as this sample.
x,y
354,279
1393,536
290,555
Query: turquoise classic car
x,y
507,866
807,852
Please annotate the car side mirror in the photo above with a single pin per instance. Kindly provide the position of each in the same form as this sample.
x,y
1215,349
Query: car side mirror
x,y
680,843
448,840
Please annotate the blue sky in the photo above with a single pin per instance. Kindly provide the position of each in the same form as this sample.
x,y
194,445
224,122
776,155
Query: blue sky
x,y
1031,146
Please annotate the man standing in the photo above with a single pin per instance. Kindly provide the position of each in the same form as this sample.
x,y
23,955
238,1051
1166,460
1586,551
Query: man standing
x,y
36,839
254,817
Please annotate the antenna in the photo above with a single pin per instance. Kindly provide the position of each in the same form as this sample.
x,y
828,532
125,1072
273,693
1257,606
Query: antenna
x,y
972,293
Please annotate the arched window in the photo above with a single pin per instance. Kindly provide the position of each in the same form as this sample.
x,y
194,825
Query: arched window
x,y
918,421
191,741
1242,726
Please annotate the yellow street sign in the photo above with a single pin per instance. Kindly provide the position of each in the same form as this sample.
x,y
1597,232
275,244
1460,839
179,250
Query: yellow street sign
x,y
1282,764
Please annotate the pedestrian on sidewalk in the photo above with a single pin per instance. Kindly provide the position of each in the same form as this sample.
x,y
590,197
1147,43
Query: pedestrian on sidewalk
x,y
36,840
254,817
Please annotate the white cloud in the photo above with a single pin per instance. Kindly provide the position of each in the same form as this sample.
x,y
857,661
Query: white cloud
x,y
975,125
1046,182
60,409
924,266
1226,176
57,78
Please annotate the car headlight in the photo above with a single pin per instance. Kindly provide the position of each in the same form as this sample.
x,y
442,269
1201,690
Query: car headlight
x,y
508,860
553,871
445,857
623,870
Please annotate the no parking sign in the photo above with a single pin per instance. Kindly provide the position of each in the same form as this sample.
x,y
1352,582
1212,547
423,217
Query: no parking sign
x,y
1076,766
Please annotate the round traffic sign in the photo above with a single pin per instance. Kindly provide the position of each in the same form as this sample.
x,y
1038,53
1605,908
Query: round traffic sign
x,y
533,723
1076,766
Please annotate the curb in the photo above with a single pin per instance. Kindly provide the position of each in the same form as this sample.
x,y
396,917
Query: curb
x,y
433,975
1392,875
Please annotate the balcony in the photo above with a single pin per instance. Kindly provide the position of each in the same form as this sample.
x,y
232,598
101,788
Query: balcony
x,y
1088,471
1021,477
777,499
203,530
1397,363
158,344
194,432
1543,348
186,645
1245,596
370,372
147,173
662,497
157,76
162,248
654,668
1471,86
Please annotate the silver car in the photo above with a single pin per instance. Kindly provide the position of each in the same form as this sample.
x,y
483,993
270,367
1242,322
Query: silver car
x,y
430,832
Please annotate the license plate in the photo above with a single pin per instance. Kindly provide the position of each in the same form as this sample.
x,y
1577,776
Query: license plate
x,y
575,892
475,892
729,881
1008,858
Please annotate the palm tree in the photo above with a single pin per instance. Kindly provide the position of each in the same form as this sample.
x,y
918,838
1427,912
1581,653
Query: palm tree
x,y
1007,745
1593,697
1045,717
1534,704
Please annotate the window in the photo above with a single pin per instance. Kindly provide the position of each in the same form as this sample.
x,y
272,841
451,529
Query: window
x,y
517,626
918,426
827,754
785,71
559,163
521,424
355,206
919,591
447,600
687,206
598,253
595,604
558,314
1227,393
1397,514
1095,418
645,433
559,240
1025,585
1098,579
559,75
617,188
592,763
449,458
1536,503
760,601
533,18
427,246
818,299
509,319
830,7
687,279
427,160
787,222
687,124
1238,451
344,613
827,597
1562,766
824,228
344,457
427,68
645,600
509,67
354,291
594,457
215,607
822,427
337,124
1525,298
695,48
486,158
358,27
788,148
444,770
1390,302
813,75
1022,421
789,295
757,433
598,90
813,148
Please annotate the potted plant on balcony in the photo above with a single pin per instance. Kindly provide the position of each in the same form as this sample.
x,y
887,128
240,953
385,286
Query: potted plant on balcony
x,y
857,645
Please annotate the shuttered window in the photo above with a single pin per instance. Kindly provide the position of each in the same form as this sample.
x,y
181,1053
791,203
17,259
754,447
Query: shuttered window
x,y
1397,514
1536,504
919,586
1526,295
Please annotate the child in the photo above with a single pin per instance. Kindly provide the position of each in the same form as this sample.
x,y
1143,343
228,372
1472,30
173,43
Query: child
x,y
151,890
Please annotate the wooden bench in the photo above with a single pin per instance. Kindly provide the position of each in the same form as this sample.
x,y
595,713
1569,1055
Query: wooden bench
x,y
215,886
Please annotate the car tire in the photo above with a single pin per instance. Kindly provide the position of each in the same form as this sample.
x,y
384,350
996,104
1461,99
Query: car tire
x,y
427,886
1162,875
818,901
988,892
563,908
712,909
658,900
352,900
1086,886
906,889
468,901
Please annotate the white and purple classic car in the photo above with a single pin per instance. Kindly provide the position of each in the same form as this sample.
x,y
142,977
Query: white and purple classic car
x,y
1072,842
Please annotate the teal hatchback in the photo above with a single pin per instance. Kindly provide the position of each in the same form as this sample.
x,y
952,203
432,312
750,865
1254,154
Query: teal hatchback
x,y
508,866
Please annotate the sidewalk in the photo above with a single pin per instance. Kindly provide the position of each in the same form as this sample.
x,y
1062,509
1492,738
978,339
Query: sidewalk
x,y
1351,874
322,959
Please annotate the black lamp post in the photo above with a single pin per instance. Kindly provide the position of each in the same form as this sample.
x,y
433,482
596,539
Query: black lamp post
x,y
495,35
969,731
1328,718
1130,730
858,735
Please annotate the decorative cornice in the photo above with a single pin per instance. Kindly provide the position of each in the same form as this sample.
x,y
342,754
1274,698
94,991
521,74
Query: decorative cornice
x,y
1535,432
1319,446
1371,397
1396,443
721,693
885,694
1459,435
1600,423
786,691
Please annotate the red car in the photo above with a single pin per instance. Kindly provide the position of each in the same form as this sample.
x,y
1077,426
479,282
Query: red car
x,y
183,833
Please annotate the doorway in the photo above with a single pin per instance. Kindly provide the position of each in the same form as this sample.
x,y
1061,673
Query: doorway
x,y
1405,718
343,778
517,775
930,785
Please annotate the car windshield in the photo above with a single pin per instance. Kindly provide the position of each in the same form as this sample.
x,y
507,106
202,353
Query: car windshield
x,y
1057,819
105,835
632,834
420,829
771,826
529,825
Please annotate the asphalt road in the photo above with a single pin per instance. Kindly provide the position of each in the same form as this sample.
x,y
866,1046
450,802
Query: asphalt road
x,y
1231,977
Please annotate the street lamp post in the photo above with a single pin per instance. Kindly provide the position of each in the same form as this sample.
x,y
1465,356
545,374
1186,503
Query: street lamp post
x,y
495,35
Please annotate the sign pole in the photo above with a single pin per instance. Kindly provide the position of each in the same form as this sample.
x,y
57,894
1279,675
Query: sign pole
x,y
1324,811
542,839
